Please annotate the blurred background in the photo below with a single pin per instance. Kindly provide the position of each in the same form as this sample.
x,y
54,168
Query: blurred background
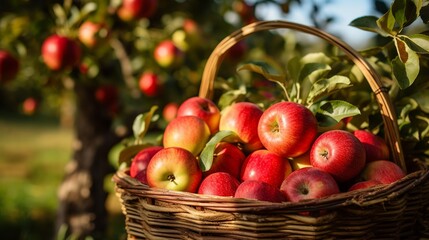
x,y
77,72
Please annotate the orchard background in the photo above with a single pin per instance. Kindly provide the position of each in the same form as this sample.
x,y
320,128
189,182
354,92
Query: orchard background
x,y
62,119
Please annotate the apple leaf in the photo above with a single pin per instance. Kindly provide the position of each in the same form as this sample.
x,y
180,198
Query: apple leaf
x,y
265,70
231,96
326,86
405,67
337,109
129,152
368,23
421,40
206,156
422,98
387,23
141,123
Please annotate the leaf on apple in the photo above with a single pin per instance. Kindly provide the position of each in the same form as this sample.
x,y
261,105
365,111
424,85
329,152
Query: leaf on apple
x,y
129,152
337,109
141,124
206,156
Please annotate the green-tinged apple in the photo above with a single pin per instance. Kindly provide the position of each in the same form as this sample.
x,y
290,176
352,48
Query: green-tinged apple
x,y
308,183
287,129
169,112
174,169
375,147
300,161
140,162
265,166
364,185
60,52
188,132
252,189
90,33
150,84
203,108
9,66
339,153
131,10
187,37
167,54
383,171
219,184
242,118
228,158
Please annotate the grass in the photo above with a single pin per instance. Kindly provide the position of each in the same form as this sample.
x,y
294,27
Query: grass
x,y
34,151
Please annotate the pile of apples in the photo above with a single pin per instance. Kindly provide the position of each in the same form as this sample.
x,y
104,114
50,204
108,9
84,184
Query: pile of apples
x,y
277,154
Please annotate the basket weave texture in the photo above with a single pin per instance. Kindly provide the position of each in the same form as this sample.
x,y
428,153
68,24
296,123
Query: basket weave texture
x,y
396,211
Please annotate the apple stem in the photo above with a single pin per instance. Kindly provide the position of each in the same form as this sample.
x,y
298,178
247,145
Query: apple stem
x,y
171,178
325,155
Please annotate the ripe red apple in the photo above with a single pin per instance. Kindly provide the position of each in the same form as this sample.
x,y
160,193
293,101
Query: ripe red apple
x,y
363,185
169,112
237,51
219,184
227,158
139,163
308,183
29,105
242,118
203,108
383,171
188,132
265,166
60,52
300,161
258,190
174,169
375,147
106,94
339,153
150,84
136,9
9,66
91,32
287,129
167,54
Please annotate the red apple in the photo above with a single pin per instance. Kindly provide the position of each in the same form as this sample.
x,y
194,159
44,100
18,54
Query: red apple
x,y
150,84
364,184
203,108
375,147
139,163
308,183
167,54
287,129
383,171
188,132
252,189
339,153
242,118
237,51
169,112
219,184
174,169
91,32
227,158
60,52
300,161
9,66
136,9
29,105
106,94
265,166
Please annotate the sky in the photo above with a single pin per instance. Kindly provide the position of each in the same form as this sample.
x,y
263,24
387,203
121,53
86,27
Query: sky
x,y
344,10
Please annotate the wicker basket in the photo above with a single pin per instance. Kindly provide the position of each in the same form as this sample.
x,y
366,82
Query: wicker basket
x,y
396,211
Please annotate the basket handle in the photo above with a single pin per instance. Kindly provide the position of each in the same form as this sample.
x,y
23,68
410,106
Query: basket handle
x,y
386,108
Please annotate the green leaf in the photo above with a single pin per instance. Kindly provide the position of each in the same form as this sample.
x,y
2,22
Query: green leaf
x,y
206,156
264,69
142,122
314,71
368,23
387,23
338,109
422,98
229,97
318,57
406,11
420,40
126,154
325,87
405,66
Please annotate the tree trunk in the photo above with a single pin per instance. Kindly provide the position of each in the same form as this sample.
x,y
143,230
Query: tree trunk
x,y
81,195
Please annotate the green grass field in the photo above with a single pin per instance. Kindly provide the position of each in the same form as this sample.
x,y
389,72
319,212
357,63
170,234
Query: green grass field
x,y
33,154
